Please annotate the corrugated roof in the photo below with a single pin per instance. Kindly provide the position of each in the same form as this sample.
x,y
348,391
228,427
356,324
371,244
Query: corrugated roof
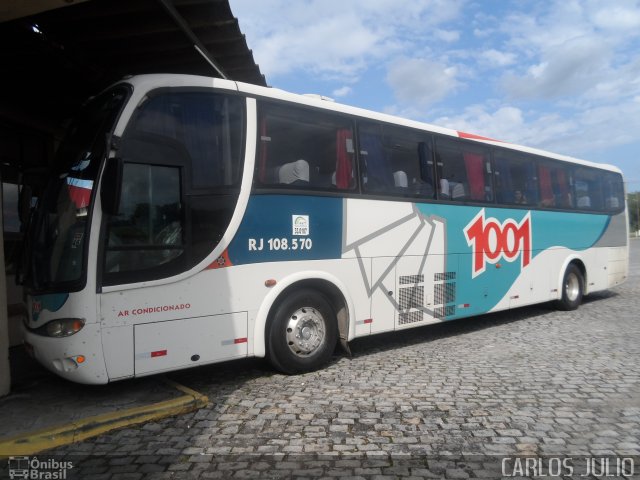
x,y
50,62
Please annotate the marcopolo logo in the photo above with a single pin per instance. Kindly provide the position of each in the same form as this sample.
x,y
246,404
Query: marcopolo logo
x,y
491,241
36,306
300,224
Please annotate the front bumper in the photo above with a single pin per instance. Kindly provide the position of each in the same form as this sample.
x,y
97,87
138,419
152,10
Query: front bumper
x,y
78,358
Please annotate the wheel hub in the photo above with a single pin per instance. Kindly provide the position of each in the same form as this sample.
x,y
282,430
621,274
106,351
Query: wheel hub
x,y
572,287
305,331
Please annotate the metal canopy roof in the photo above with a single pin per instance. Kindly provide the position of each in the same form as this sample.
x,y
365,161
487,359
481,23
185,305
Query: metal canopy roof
x,y
50,62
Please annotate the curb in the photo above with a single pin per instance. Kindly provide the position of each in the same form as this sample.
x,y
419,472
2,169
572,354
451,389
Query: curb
x,y
34,442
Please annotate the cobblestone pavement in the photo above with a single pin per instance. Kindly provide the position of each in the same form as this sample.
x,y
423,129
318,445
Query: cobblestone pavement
x,y
442,401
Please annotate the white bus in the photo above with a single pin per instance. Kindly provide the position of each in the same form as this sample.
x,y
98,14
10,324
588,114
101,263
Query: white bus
x,y
195,220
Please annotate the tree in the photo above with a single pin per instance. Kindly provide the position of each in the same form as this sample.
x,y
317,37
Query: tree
x,y
633,203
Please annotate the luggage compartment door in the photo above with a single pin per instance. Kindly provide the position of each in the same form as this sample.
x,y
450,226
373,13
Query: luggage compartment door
x,y
189,342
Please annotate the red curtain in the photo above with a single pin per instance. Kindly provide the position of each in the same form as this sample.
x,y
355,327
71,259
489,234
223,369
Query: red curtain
x,y
344,170
474,164
563,187
546,191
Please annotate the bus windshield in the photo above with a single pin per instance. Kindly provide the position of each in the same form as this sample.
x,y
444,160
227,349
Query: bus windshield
x,y
59,228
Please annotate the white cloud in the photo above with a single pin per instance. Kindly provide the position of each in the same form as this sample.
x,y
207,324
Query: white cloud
x,y
617,16
342,91
581,134
619,82
421,82
336,46
334,38
505,123
448,36
570,77
571,68
569,48
533,33
495,58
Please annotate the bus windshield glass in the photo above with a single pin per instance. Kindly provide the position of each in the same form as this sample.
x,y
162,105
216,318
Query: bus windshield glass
x,y
59,230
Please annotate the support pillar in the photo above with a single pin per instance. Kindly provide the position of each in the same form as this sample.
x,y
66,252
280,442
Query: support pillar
x,y
5,374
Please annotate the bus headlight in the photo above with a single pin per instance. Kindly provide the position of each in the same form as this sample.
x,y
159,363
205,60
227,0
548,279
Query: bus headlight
x,y
62,327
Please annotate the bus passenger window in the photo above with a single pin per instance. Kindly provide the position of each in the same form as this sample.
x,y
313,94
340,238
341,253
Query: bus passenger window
x,y
613,192
376,168
304,149
588,188
204,128
556,185
464,171
396,161
515,178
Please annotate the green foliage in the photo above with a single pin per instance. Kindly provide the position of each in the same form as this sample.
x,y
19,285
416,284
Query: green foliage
x,y
633,203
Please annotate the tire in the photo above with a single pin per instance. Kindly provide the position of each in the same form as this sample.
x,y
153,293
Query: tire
x,y
572,289
303,332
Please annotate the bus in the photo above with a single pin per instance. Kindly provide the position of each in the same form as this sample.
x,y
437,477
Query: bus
x,y
195,220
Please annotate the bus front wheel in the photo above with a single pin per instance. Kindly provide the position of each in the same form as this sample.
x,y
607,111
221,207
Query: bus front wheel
x,y
572,288
303,332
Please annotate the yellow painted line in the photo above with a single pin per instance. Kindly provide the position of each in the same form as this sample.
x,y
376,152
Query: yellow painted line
x,y
186,390
33,442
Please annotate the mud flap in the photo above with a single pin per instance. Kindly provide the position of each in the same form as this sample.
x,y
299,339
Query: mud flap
x,y
343,328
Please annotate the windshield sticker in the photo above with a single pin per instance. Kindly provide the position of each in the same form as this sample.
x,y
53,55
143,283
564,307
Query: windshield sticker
x,y
77,239
83,163
79,191
80,183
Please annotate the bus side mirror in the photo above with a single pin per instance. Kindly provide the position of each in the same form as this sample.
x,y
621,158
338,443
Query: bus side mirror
x,y
111,186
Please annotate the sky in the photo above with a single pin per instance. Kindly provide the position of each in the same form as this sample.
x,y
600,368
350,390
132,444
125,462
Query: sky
x,y
561,75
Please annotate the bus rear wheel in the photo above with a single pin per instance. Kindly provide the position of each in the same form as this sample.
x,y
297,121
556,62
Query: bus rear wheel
x,y
303,332
572,288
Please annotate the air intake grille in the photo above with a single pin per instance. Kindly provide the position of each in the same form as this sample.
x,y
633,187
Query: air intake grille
x,y
444,294
442,312
410,317
411,279
439,277
411,297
